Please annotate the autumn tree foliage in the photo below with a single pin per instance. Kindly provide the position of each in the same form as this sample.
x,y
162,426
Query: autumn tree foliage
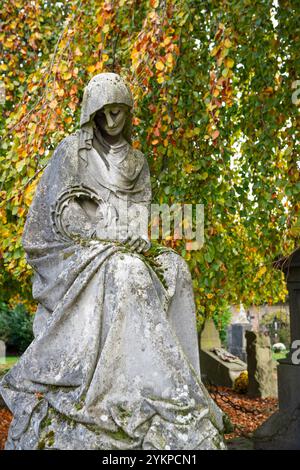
x,y
214,114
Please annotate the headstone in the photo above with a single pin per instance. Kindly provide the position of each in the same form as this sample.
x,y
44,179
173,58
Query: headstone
x,y
2,351
2,361
210,337
218,366
236,335
282,430
261,380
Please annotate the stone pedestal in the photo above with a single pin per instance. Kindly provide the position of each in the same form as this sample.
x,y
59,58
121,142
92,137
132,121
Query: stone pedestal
x,y
282,430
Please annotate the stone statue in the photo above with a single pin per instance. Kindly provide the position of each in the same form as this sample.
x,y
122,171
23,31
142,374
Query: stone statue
x,y
114,363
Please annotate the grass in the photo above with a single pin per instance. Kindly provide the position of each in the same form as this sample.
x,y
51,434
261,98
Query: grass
x,y
280,355
7,362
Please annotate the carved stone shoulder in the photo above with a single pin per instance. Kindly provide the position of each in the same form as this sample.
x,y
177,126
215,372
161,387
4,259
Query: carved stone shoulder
x,y
65,157
68,146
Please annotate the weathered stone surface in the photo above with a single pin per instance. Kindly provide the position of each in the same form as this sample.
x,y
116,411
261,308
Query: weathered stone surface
x,y
114,363
262,382
280,432
210,337
2,350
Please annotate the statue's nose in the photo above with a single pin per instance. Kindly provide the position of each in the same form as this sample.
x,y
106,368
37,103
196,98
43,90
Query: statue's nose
x,y
109,119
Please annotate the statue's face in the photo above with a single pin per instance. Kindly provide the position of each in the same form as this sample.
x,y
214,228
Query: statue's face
x,y
111,119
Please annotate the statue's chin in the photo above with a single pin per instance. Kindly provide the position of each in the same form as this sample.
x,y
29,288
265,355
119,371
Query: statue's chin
x,y
113,132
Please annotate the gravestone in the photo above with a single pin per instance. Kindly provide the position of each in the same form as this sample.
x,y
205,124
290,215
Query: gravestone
x,y
2,361
262,382
2,351
236,335
210,337
218,366
282,430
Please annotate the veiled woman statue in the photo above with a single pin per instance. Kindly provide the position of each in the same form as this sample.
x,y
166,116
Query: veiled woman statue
x,y
114,363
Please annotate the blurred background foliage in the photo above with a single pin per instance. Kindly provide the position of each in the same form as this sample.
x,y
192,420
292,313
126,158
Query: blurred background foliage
x,y
15,328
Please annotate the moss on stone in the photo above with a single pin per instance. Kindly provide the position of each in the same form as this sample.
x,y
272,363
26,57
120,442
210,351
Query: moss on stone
x,y
79,406
119,435
41,444
228,426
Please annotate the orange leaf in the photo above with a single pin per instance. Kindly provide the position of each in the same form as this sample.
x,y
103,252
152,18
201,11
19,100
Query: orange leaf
x,y
215,135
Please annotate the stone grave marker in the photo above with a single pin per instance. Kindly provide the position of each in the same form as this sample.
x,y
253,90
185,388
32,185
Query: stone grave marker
x,y
262,380
236,335
218,366
2,352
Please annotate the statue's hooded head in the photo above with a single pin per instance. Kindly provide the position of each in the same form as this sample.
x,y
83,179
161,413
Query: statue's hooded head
x,y
103,89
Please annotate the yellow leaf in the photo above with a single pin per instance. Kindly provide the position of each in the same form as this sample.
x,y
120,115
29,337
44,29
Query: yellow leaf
x,y
227,43
229,62
188,168
105,57
160,79
67,76
30,172
166,41
260,272
28,193
160,65
105,29
170,59
215,51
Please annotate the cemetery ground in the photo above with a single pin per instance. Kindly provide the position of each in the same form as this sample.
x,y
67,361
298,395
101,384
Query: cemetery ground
x,y
243,414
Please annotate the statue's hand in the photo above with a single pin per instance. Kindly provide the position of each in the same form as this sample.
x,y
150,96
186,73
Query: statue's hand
x,y
137,243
